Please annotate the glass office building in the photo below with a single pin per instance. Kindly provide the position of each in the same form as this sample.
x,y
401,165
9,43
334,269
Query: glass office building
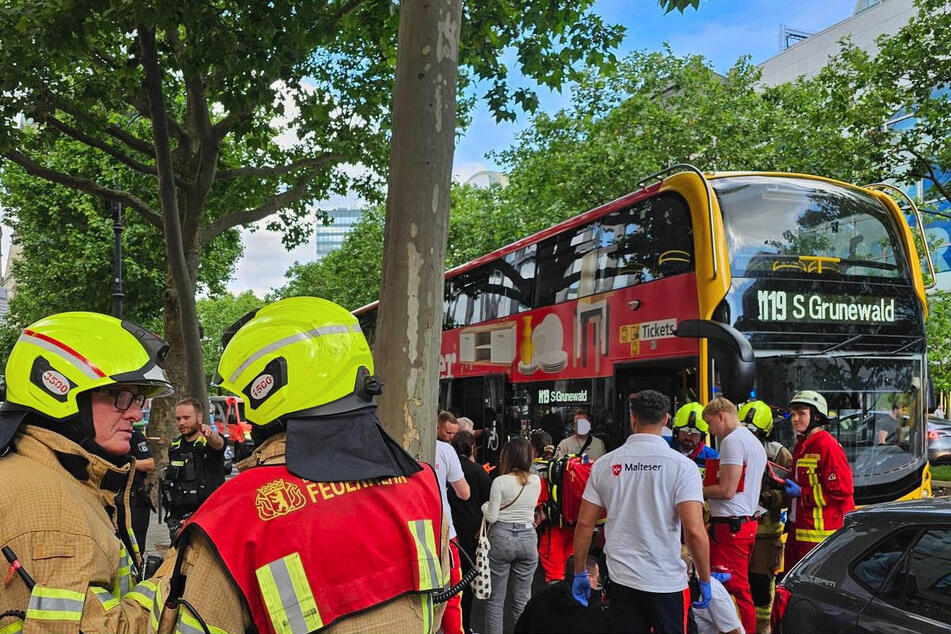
x,y
330,236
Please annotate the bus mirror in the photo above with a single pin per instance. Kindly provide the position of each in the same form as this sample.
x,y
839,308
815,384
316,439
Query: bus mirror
x,y
731,351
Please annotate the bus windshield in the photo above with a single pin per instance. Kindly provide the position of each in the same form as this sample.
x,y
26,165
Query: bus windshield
x,y
875,403
788,227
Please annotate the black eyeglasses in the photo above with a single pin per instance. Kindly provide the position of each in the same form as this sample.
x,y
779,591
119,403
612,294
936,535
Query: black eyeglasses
x,y
125,398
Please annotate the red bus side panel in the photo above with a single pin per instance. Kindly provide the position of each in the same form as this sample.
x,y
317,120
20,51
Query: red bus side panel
x,y
578,338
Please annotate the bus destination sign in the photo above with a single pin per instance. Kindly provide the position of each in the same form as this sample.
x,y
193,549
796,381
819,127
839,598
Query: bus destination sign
x,y
786,306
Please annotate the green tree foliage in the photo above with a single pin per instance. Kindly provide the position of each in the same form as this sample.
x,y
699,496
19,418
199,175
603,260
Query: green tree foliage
x,y
258,108
479,222
215,314
349,275
938,329
909,76
65,242
657,109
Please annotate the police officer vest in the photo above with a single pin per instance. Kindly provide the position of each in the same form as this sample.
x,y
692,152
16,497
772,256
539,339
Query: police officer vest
x,y
305,554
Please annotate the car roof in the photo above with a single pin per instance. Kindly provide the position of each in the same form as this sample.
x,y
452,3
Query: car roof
x,y
927,507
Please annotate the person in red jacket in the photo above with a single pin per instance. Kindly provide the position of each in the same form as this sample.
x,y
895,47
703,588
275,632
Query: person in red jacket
x,y
821,486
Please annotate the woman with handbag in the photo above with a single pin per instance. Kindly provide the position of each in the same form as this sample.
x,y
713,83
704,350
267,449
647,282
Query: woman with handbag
x,y
512,539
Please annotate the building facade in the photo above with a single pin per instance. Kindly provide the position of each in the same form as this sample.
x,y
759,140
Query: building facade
x,y
330,236
870,20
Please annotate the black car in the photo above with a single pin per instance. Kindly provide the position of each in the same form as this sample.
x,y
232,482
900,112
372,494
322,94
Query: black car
x,y
888,569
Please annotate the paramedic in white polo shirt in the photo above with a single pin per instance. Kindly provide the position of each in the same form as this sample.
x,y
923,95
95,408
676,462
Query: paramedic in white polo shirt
x,y
732,512
650,493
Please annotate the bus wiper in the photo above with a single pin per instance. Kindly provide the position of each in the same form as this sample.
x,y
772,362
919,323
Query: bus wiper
x,y
838,345
796,355
907,345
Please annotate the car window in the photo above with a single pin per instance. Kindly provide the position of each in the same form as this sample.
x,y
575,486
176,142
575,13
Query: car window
x,y
928,581
873,568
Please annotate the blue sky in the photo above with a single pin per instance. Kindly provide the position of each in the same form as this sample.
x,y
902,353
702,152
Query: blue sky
x,y
721,30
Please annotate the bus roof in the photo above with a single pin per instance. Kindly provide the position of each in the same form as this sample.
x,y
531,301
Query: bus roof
x,y
597,212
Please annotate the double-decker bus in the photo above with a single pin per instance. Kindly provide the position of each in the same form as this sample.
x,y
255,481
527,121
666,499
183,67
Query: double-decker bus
x,y
741,284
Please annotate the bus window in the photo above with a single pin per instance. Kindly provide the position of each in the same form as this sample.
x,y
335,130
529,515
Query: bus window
x,y
649,240
566,265
791,227
494,290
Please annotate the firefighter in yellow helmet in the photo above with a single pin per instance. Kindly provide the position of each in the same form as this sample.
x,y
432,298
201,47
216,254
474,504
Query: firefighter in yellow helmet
x,y
75,384
330,524
767,557
690,433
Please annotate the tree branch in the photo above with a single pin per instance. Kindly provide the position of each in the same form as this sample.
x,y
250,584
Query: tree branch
x,y
122,157
932,175
318,162
111,129
248,216
142,108
347,9
84,185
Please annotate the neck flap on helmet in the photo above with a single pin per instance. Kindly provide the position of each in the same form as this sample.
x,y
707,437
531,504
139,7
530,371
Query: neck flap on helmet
x,y
345,446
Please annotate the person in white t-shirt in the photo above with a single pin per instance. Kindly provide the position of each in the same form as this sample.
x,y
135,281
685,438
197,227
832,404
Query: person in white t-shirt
x,y
720,617
733,502
650,494
449,470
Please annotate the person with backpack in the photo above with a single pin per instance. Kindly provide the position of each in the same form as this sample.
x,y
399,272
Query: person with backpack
x,y
555,544
511,512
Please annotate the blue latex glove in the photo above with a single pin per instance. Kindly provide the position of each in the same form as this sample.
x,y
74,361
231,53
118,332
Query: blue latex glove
x,y
722,577
793,490
706,595
580,588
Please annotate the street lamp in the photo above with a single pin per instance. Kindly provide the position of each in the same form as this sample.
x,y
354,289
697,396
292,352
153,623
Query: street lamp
x,y
117,293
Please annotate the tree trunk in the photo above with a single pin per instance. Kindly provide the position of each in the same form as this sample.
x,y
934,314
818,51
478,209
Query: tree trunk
x,y
417,220
182,281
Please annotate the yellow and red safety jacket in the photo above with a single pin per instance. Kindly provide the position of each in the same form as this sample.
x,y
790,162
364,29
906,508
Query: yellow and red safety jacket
x,y
823,473
273,552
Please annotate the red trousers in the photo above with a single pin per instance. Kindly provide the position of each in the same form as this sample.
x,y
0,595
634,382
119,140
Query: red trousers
x,y
556,545
452,617
730,552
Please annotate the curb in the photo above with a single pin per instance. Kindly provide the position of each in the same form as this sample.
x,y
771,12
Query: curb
x,y
944,484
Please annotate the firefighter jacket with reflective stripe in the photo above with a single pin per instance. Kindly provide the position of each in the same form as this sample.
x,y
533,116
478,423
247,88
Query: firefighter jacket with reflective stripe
x,y
823,473
57,514
306,554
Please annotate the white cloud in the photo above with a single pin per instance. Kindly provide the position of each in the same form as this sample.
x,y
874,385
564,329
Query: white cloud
x,y
265,261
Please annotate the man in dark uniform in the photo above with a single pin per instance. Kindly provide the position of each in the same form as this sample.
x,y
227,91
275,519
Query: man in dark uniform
x,y
195,464
140,502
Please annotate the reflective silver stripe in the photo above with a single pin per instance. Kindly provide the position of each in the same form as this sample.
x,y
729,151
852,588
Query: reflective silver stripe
x,y
292,610
106,598
54,604
419,527
187,624
286,341
124,573
73,361
143,594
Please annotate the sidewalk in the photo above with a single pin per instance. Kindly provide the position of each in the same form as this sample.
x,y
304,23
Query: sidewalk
x,y
156,540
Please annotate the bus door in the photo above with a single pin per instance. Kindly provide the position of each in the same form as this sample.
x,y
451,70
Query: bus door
x,y
676,378
481,398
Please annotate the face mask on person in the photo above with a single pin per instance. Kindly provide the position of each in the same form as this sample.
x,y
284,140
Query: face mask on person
x,y
583,426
